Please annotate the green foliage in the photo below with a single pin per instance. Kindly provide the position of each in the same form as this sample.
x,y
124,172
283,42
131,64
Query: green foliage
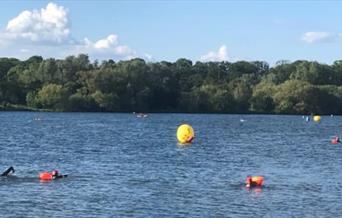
x,y
79,102
287,96
107,102
6,64
262,98
76,84
51,96
313,72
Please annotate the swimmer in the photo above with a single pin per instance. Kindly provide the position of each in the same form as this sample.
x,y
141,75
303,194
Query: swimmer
x,y
335,140
254,181
56,175
250,182
48,176
8,171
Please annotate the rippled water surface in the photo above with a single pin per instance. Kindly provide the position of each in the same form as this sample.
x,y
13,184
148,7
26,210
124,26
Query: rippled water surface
x,y
123,166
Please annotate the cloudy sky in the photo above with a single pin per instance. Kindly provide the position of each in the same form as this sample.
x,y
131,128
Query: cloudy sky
x,y
168,30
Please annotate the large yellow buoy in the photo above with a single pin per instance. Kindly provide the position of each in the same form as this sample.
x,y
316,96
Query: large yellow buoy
x,y
317,118
185,133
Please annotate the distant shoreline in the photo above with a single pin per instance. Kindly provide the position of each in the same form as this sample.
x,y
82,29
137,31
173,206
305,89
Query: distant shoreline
x,y
28,109
75,84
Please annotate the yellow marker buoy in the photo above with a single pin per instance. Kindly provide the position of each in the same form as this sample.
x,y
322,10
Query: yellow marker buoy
x,y
185,133
317,118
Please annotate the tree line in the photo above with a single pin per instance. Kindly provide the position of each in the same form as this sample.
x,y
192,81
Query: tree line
x,y
77,84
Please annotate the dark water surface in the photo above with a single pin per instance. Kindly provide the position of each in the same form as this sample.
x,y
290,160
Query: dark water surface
x,y
123,166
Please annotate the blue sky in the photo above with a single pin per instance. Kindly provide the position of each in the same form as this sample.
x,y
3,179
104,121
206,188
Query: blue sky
x,y
168,30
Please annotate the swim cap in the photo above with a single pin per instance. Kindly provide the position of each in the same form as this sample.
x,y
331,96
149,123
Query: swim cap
x,y
55,172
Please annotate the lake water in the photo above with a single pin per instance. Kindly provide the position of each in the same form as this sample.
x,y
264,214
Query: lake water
x,y
123,166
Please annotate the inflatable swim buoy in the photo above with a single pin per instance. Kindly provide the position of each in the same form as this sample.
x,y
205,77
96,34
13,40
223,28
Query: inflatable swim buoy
x,y
254,181
335,140
185,133
45,176
317,118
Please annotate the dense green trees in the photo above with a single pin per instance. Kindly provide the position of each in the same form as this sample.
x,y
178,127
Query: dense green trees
x,y
77,84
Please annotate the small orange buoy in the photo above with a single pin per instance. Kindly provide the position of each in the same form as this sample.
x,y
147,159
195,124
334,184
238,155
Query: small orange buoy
x,y
45,176
335,140
254,181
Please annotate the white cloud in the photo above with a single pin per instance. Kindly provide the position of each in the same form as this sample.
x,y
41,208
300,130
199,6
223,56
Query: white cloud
x,y
315,37
148,57
50,24
106,43
47,32
220,55
24,50
123,49
108,47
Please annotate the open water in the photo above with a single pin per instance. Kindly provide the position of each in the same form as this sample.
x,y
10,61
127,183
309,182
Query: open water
x,y
123,166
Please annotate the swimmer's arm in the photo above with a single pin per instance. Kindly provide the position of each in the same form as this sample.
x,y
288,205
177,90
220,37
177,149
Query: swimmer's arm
x,y
8,171
61,176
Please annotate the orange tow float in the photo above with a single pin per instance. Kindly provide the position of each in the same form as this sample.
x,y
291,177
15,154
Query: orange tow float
x,y
254,181
46,176
335,140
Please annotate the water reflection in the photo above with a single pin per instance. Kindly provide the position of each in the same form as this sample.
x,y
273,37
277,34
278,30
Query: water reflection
x,y
255,191
183,145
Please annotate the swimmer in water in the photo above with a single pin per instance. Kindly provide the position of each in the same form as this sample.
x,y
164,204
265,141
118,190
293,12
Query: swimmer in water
x,y
8,171
56,175
254,181
48,176
250,183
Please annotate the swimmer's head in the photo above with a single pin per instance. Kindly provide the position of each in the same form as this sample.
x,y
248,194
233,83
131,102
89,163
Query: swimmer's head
x,y
248,181
55,172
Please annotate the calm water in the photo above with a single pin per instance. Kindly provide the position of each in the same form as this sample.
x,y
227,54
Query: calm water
x,y
123,166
